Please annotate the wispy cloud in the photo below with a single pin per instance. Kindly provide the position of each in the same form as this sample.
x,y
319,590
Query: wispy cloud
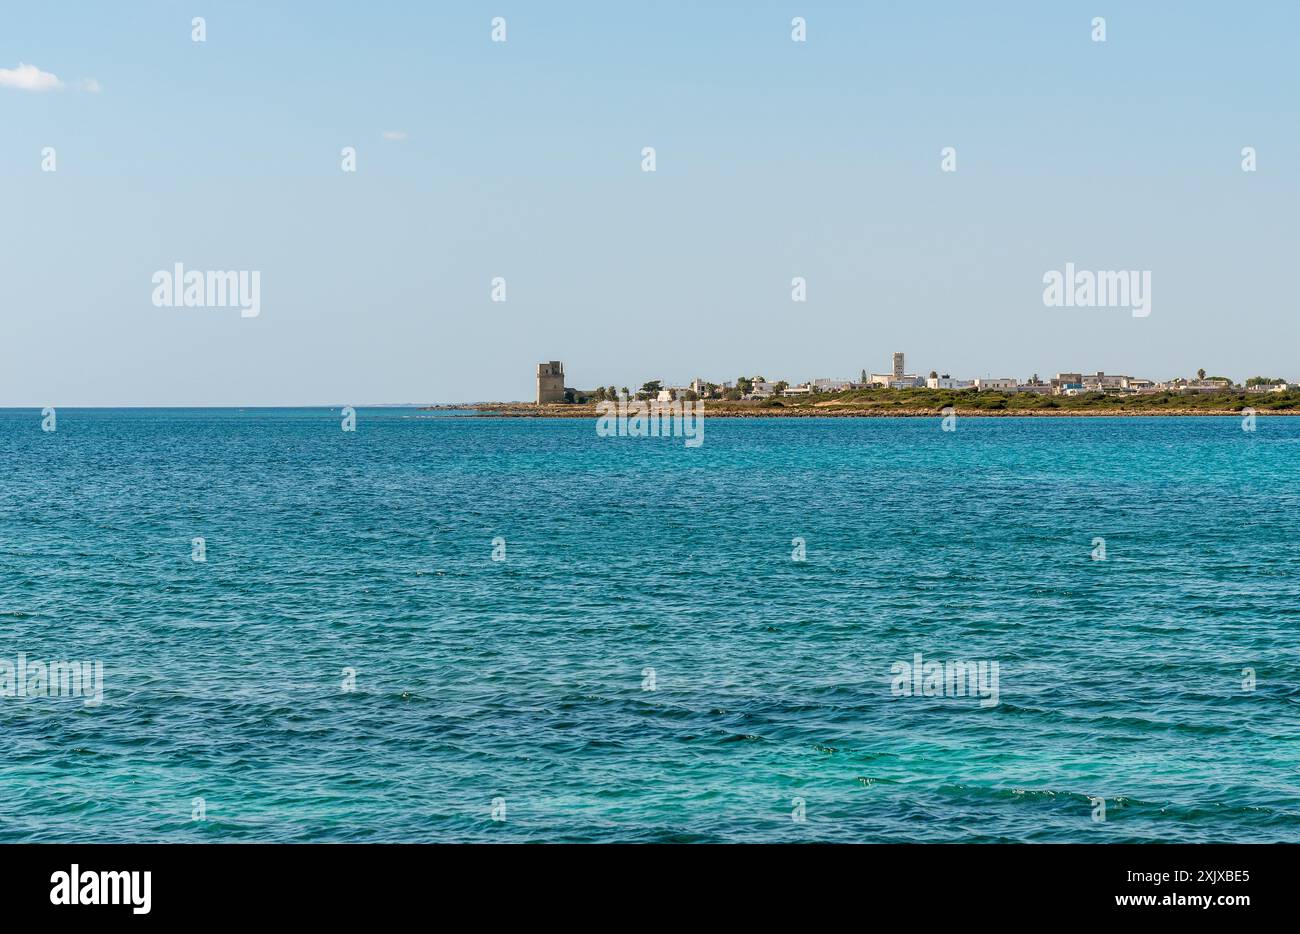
x,y
394,134
28,78
31,78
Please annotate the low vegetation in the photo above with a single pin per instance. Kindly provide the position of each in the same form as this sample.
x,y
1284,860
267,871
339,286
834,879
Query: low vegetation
x,y
886,400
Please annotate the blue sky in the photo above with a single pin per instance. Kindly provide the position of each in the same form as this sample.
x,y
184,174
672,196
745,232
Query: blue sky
x,y
523,160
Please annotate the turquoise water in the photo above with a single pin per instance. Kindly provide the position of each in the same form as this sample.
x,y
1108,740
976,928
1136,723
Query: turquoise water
x,y
522,679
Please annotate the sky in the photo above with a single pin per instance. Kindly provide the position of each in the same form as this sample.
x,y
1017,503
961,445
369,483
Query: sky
x,y
523,160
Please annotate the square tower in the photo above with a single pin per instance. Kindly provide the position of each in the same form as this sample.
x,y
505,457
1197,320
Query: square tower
x,y
550,382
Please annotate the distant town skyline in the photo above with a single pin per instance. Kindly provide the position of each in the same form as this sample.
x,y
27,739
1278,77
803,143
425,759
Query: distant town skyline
x,y
917,183
553,383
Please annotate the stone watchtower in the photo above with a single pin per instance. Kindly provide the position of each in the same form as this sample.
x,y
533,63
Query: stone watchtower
x,y
550,382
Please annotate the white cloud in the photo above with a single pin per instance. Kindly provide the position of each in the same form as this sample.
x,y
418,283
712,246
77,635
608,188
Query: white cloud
x,y
28,78
394,134
31,78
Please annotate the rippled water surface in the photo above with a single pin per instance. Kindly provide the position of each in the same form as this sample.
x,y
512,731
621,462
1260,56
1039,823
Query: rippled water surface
x,y
522,679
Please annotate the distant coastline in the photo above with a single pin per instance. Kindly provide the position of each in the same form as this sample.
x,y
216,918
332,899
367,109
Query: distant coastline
x,y
918,402
898,410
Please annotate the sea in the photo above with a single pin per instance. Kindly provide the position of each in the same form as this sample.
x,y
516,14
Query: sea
x,y
442,626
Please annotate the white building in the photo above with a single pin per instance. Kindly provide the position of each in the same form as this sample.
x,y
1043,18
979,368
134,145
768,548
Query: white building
x,y
896,378
673,393
906,381
1100,382
946,382
984,384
